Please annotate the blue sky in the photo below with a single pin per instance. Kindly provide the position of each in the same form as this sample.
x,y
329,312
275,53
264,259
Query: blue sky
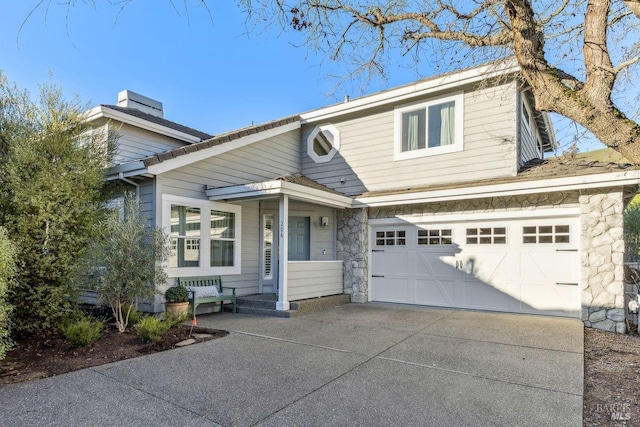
x,y
213,76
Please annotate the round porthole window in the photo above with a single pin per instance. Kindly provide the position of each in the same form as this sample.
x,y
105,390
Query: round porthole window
x,y
323,143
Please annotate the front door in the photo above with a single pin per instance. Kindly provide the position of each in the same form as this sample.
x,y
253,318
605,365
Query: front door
x,y
269,253
299,233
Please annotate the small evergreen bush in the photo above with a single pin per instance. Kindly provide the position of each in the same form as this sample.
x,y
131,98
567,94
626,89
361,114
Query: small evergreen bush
x,y
83,331
176,294
175,320
150,329
135,315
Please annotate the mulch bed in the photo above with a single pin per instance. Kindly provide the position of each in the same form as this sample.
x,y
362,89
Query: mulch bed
x,y
611,379
49,354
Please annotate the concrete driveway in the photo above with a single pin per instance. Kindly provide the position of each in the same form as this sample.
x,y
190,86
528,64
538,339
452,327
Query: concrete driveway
x,y
359,364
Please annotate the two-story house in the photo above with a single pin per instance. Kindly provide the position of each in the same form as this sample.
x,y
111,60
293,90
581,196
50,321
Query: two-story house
x,y
435,193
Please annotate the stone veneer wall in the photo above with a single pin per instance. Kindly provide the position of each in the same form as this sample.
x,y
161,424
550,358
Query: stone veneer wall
x,y
602,259
353,249
601,245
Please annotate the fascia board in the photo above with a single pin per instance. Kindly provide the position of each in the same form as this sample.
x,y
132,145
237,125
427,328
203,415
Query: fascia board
x,y
187,159
448,82
101,111
268,188
127,169
501,190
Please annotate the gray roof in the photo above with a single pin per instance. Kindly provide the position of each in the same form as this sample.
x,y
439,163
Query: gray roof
x,y
159,120
298,178
590,163
217,140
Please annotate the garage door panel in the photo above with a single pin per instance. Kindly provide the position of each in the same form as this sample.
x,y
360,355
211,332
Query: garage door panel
x,y
440,292
550,267
558,299
429,264
489,267
391,289
481,295
387,262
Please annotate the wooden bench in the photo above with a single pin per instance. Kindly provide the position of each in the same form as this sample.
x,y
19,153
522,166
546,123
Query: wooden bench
x,y
195,282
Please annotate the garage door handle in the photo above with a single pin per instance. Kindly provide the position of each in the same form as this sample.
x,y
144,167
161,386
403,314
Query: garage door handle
x,y
566,283
566,250
375,275
377,250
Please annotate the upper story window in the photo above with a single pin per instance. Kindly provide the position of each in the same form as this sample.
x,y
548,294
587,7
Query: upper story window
x,y
527,116
204,236
323,143
429,128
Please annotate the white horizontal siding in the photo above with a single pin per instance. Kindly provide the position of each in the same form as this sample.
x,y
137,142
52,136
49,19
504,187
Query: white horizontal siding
x,y
310,279
365,160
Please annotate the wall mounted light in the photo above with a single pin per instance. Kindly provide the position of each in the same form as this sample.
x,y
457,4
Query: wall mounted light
x,y
324,221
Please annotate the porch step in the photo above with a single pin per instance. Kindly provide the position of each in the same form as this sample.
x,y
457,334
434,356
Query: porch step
x,y
265,305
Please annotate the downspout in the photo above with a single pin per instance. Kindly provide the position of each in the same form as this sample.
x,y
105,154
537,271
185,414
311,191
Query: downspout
x,y
128,181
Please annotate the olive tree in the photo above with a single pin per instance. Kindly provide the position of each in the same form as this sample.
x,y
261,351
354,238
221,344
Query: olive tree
x,y
125,262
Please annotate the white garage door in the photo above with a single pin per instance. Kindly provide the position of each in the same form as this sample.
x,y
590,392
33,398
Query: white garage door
x,y
523,266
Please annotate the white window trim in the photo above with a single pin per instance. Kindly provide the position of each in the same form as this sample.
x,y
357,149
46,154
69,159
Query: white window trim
x,y
336,143
458,99
206,207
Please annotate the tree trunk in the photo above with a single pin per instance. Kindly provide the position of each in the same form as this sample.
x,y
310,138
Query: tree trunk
x,y
588,104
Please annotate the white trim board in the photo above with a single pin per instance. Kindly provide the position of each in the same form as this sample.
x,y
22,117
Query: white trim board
x,y
106,112
277,187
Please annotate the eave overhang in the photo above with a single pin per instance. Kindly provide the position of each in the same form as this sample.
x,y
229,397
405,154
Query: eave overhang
x,y
272,189
108,113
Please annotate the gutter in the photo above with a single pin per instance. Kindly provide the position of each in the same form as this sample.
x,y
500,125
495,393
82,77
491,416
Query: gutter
x,y
130,182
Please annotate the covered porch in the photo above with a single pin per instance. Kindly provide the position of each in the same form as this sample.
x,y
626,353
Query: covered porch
x,y
297,236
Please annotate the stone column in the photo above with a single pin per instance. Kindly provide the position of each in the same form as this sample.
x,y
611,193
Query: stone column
x,y
353,250
602,259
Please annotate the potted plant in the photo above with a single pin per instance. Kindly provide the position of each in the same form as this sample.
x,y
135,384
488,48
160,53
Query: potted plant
x,y
177,300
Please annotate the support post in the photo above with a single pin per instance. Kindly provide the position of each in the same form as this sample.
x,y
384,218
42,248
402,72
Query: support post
x,y
283,252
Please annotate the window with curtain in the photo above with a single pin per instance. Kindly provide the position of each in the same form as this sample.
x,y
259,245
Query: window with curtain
x,y
429,128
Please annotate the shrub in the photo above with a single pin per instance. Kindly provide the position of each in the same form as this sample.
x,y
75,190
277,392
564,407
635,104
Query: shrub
x,y
135,315
150,329
7,268
130,254
176,294
83,332
50,198
175,320
632,231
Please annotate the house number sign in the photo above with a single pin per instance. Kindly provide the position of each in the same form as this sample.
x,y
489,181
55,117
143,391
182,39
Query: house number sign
x,y
281,228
